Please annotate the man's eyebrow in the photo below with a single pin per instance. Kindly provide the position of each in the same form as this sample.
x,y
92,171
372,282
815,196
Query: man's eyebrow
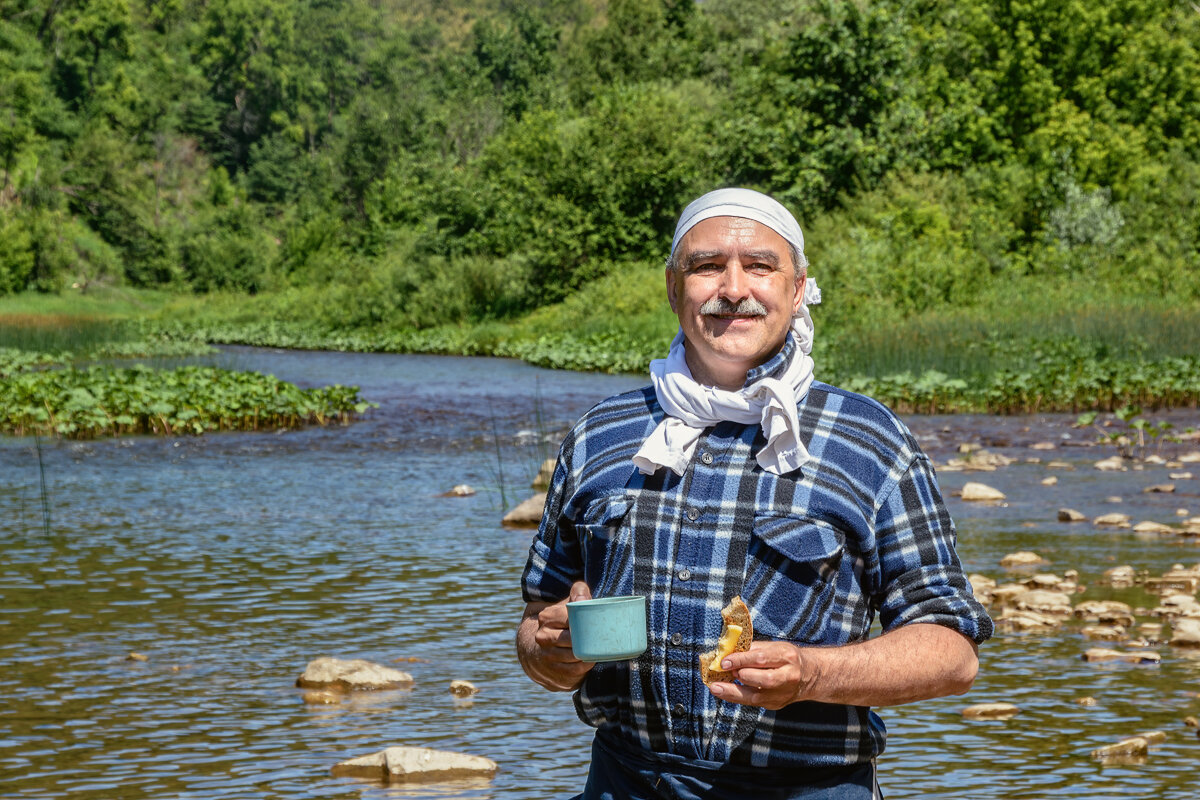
x,y
755,256
765,256
697,256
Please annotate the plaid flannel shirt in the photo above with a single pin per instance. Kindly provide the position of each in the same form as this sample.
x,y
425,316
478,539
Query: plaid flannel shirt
x,y
816,554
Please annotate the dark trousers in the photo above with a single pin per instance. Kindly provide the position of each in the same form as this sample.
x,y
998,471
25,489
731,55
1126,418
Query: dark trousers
x,y
622,772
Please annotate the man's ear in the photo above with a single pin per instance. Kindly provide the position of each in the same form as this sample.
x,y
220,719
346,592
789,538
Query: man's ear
x,y
671,280
798,300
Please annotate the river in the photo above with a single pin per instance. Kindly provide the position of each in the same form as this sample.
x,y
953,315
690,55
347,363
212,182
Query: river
x,y
231,560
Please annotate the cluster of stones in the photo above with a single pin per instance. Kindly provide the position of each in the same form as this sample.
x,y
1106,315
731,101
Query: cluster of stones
x,y
978,460
329,680
1044,601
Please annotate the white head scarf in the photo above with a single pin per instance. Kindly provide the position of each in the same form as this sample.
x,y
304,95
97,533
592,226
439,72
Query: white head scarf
x,y
768,401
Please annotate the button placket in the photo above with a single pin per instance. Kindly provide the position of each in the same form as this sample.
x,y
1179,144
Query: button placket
x,y
684,697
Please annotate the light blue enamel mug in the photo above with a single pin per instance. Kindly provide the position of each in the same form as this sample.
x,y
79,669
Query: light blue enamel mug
x,y
608,628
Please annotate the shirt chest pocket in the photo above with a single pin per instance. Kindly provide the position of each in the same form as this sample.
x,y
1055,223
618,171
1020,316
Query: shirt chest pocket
x,y
606,543
796,579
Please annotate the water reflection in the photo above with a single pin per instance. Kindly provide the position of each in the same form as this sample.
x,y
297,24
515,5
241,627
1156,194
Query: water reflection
x,y
232,560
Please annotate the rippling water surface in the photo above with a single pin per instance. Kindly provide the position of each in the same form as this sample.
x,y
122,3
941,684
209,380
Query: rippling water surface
x,y
232,560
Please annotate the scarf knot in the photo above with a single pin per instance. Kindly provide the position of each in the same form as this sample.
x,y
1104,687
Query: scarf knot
x,y
690,407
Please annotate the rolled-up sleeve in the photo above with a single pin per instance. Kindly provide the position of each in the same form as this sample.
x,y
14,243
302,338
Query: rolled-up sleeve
x,y
554,560
921,576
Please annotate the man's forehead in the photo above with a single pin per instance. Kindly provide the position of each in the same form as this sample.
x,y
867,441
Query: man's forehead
x,y
733,230
723,236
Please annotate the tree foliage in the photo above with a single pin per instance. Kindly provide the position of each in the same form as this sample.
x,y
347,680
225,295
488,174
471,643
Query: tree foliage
x,y
462,161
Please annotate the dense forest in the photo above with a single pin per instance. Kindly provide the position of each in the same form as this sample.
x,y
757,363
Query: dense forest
x,y
379,165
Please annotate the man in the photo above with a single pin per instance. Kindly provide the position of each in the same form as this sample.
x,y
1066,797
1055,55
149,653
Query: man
x,y
736,473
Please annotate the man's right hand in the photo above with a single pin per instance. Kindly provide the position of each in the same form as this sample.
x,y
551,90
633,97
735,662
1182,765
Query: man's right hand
x,y
544,644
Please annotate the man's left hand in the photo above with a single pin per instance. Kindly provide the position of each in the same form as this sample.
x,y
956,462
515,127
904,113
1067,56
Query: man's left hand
x,y
914,662
770,674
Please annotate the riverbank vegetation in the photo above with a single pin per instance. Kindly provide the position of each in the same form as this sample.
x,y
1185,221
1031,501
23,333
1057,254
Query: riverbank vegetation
x,y
1001,202
39,396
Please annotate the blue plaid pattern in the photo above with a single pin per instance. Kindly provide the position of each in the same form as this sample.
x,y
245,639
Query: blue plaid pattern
x,y
817,553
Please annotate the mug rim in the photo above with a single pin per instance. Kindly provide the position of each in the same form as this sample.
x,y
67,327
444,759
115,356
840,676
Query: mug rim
x,y
595,601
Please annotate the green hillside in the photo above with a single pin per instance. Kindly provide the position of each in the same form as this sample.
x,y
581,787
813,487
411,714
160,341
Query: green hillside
x,y
503,177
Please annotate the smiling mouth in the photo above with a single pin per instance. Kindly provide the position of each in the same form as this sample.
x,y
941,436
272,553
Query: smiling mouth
x,y
734,317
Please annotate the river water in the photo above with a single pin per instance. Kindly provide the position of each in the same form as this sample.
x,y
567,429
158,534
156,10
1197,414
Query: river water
x,y
229,561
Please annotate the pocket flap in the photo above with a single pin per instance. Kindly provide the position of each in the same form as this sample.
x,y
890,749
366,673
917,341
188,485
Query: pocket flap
x,y
604,513
799,539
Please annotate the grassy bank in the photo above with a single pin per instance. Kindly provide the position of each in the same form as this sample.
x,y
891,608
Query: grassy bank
x,y
43,390
1041,348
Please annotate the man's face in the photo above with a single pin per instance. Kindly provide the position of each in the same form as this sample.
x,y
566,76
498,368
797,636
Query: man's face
x,y
735,292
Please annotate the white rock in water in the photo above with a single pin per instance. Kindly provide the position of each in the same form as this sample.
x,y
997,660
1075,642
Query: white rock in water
x,y
1121,577
528,514
463,688
541,481
1042,601
1132,657
351,674
1186,632
1126,748
1109,611
1103,633
972,492
991,711
1070,515
412,764
1115,519
1013,620
1114,464
1152,527
1044,580
1022,558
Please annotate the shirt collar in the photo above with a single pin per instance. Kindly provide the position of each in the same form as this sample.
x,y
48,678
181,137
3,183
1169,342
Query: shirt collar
x,y
774,366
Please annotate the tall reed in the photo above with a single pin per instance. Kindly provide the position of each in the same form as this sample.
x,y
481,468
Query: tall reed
x,y
54,333
981,342
45,495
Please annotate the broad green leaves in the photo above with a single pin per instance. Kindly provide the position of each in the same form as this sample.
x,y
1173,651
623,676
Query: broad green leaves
x,y
111,401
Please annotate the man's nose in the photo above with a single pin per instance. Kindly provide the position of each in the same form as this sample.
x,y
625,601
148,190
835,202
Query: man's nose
x,y
734,285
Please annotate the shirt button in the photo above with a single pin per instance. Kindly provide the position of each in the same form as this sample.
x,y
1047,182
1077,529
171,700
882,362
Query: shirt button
x,y
706,457
693,514
676,638
680,709
685,574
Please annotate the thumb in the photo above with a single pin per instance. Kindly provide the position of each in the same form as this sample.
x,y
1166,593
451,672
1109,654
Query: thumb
x,y
580,591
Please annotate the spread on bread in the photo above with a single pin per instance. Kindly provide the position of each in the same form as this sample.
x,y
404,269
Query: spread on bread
x,y
725,647
737,632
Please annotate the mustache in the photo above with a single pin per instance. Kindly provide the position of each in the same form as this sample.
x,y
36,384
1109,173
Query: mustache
x,y
747,307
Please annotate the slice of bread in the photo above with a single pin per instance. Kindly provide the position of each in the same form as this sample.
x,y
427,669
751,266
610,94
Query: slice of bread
x,y
735,613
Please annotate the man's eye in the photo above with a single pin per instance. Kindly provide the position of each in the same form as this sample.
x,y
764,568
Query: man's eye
x,y
706,269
